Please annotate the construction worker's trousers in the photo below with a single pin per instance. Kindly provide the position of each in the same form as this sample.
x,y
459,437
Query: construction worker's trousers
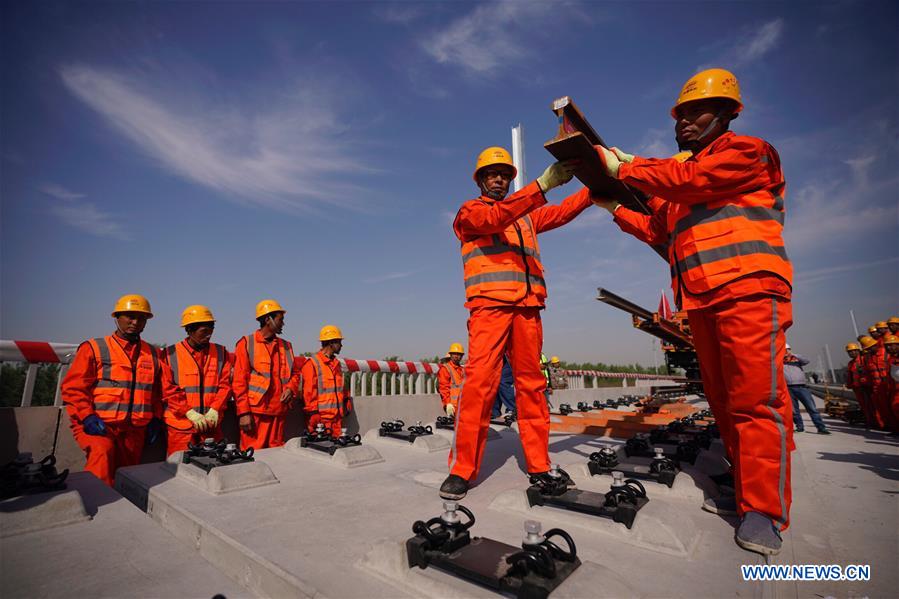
x,y
268,431
883,405
862,396
122,445
740,345
493,331
332,424
177,440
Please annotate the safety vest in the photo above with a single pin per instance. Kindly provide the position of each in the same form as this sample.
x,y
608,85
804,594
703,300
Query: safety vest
x,y
457,381
124,389
875,369
332,400
504,266
261,366
199,385
855,373
716,242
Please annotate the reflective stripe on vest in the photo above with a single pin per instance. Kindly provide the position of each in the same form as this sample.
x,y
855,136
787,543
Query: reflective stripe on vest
x,y
260,381
115,371
330,399
717,242
455,384
504,266
190,371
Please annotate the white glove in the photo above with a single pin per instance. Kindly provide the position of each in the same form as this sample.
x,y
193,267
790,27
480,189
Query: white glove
x,y
450,410
197,419
557,173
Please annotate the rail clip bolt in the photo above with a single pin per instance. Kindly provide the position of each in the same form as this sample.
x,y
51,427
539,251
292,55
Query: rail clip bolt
x,y
532,533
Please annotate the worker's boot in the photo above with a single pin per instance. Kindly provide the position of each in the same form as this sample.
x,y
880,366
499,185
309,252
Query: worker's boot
x,y
725,505
757,533
454,487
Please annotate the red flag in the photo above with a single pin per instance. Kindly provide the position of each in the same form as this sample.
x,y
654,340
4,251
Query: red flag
x,y
664,308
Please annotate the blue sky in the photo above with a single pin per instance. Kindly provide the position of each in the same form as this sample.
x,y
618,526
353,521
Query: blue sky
x,y
316,153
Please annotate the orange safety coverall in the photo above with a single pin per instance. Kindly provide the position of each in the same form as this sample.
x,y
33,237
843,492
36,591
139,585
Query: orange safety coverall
x,y
258,385
893,386
877,371
450,379
722,225
205,377
505,290
325,399
92,387
856,379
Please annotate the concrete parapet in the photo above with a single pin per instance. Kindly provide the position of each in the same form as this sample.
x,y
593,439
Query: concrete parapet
x,y
353,456
40,511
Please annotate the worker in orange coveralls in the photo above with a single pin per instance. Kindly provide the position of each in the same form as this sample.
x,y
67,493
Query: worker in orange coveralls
x,y
877,371
325,400
893,325
202,370
265,381
722,227
891,342
871,369
856,379
450,377
114,392
505,290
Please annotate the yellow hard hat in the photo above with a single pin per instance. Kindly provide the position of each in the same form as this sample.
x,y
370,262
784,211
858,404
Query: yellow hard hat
x,y
196,313
881,325
710,83
329,333
554,359
491,156
868,342
890,339
872,329
893,320
852,346
267,306
133,303
456,348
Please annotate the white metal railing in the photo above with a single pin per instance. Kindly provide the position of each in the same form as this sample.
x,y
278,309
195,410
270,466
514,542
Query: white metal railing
x,y
365,377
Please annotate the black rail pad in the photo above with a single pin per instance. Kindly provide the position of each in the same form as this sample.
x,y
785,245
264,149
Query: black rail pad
x,y
587,502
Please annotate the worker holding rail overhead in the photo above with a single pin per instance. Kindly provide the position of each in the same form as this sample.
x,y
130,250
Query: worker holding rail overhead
x,y
722,222
114,392
505,292
266,381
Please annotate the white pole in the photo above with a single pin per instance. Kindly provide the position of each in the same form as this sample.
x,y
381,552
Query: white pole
x,y
830,363
821,369
518,157
854,324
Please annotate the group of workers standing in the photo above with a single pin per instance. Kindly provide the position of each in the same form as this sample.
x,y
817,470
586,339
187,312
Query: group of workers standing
x,y
121,392
873,374
718,212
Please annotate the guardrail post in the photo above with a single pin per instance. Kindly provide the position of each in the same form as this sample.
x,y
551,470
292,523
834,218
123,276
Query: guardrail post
x,y
28,391
63,369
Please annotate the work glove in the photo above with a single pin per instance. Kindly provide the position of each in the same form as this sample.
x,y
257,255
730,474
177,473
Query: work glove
x,y
212,418
610,161
286,396
606,203
450,410
623,156
246,422
154,429
197,420
557,173
94,425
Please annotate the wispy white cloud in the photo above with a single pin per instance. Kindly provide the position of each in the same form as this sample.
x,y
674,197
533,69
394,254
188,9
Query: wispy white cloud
x,y
401,13
291,154
84,216
656,143
498,34
59,192
822,274
392,276
860,169
750,45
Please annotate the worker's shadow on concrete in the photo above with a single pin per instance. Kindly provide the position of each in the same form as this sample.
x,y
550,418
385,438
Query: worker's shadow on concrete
x,y
859,431
579,446
884,466
498,452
